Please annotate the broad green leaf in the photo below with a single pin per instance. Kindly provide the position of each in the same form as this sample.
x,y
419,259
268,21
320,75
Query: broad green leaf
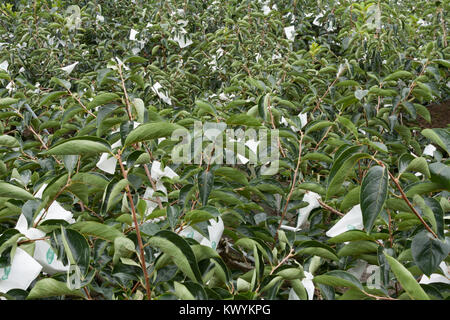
x,y
76,248
311,186
317,157
355,235
290,273
206,107
179,250
205,185
355,248
79,146
232,174
338,278
182,292
8,190
116,193
349,125
436,216
139,106
351,199
96,229
4,102
421,187
149,131
8,141
342,167
402,74
373,195
123,248
243,119
102,99
320,252
318,126
47,288
420,165
52,96
440,174
439,136
428,252
406,279
196,216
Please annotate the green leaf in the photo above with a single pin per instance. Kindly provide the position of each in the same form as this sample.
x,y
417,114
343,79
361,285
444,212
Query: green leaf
x,y
355,235
351,199
318,126
206,107
116,193
86,145
439,136
338,278
355,248
349,125
205,185
406,279
419,164
342,167
373,195
232,174
182,292
317,157
243,119
4,102
96,229
421,187
70,161
76,248
320,252
52,96
102,99
428,252
139,106
123,248
398,75
63,83
179,250
423,112
47,288
440,174
196,216
291,273
8,141
151,131
8,190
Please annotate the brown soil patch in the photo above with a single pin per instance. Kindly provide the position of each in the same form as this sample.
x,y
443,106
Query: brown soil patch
x,y
440,116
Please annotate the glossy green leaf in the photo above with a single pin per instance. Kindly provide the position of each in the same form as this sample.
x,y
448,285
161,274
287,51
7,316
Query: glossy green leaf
x,y
406,279
373,195
428,252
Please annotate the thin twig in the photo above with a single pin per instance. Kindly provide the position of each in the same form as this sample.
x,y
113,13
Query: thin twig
x,y
294,180
136,226
127,100
327,207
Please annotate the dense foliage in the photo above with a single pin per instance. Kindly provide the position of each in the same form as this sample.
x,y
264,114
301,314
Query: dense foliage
x,y
92,205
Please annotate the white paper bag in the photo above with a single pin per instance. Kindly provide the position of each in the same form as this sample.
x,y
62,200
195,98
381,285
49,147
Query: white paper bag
x,y
436,277
215,231
313,203
351,221
43,253
23,270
